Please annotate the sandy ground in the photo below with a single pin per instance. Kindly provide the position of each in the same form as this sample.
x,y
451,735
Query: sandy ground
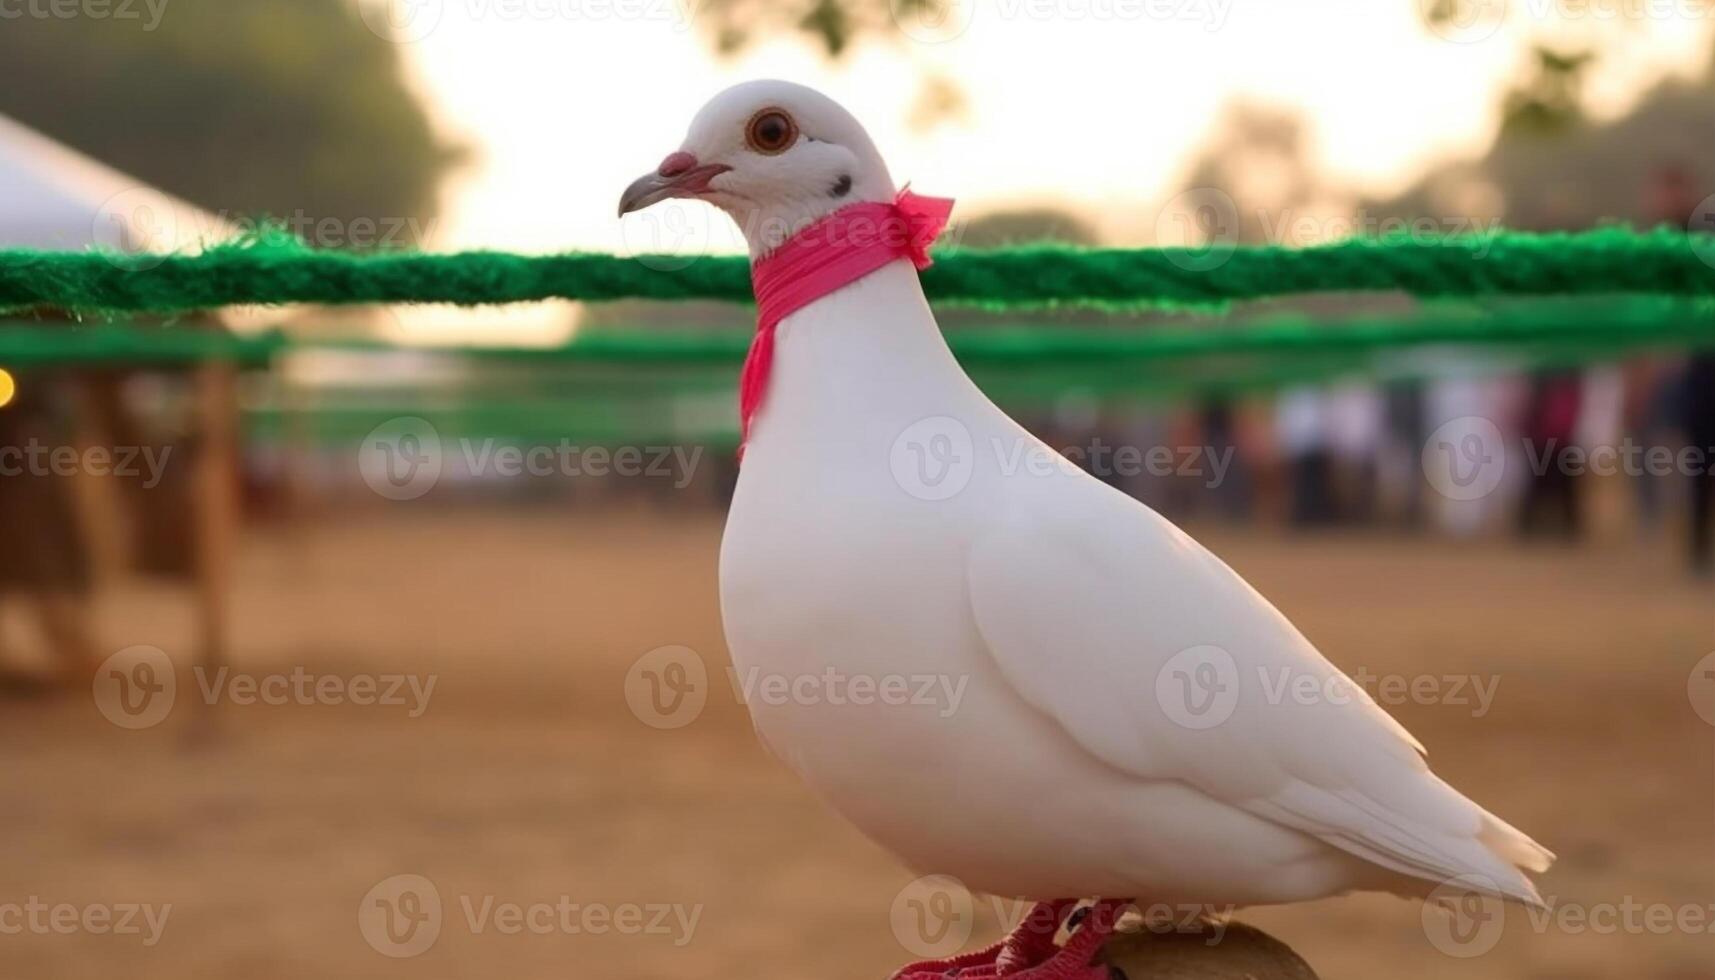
x,y
528,778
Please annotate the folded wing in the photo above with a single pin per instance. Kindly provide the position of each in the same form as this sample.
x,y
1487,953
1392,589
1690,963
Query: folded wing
x,y
1161,661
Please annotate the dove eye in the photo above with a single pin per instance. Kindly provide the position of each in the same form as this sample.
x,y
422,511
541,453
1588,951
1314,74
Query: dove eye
x,y
771,131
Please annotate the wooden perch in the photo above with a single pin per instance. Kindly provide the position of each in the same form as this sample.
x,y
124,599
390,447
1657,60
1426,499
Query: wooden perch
x,y
1211,951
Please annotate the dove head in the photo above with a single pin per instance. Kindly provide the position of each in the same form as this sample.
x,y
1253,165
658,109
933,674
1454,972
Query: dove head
x,y
774,156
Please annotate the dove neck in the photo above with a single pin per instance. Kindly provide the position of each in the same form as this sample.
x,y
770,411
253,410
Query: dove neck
x,y
846,247
869,353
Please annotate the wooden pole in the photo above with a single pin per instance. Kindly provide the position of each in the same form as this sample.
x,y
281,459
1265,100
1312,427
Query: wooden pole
x,y
217,509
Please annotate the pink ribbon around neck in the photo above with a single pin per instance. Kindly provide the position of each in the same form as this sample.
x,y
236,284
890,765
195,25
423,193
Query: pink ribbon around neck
x,y
836,251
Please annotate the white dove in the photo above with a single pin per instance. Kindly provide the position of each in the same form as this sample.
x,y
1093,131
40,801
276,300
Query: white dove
x,y
996,666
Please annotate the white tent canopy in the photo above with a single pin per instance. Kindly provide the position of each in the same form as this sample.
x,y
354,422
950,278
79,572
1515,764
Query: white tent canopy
x,y
52,196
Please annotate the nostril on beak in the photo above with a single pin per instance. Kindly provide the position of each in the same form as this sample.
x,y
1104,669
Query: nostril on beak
x,y
676,164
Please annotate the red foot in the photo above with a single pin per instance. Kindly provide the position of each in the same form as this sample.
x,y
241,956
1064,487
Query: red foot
x,y
1029,952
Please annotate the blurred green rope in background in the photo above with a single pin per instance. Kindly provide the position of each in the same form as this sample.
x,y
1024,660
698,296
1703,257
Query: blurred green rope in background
x,y
626,383
270,270
1632,322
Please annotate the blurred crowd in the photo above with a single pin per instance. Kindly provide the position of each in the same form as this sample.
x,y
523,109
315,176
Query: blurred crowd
x,y
1544,455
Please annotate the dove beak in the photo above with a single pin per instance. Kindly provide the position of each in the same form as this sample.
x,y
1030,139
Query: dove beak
x,y
680,175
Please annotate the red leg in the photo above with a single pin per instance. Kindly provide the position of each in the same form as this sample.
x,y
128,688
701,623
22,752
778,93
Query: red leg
x,y
1031,942
1075,960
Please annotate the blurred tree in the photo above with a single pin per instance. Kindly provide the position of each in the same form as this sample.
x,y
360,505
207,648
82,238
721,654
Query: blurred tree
x,y
1552,165
1021,226
1479,18
1566,41
1448,15
287,108
1247,182
1581,175
1551,98
940,100
834,24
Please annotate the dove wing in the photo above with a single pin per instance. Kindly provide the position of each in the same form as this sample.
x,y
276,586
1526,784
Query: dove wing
x,y
1162,662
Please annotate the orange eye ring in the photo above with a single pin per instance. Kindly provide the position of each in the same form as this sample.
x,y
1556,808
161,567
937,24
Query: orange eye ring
x,y
771,131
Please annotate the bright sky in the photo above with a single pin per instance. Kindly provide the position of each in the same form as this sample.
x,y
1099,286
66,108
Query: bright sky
x,y
1093,104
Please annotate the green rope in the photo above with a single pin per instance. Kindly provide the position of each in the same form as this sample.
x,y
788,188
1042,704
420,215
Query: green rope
x,y
630,387
1610,260
1581,325
118,345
